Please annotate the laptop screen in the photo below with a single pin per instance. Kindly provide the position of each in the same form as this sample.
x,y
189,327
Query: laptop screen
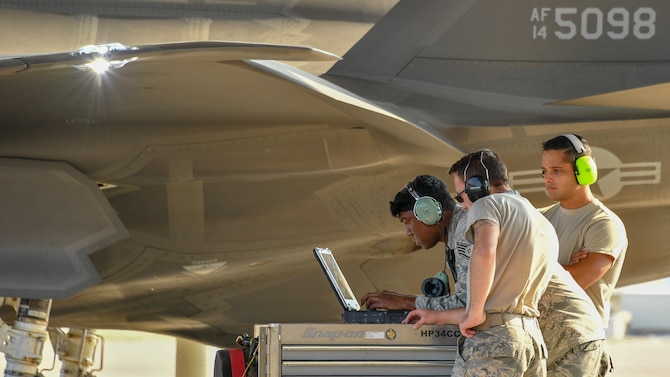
x,y
336,278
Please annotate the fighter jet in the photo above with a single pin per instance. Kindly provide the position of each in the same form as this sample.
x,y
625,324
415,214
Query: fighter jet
x,y
173,171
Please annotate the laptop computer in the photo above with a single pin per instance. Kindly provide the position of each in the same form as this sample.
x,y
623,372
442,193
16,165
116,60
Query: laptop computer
x,y
352,310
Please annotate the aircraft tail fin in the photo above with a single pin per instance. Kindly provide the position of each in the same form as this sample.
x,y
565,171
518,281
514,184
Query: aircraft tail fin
x,y
397,38
439,32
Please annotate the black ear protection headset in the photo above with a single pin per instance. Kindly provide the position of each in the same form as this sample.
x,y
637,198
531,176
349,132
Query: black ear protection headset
x,y
426,208
586,171
477,187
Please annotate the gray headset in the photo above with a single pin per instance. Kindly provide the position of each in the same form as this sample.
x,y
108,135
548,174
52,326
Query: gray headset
x,y
426,208
429,211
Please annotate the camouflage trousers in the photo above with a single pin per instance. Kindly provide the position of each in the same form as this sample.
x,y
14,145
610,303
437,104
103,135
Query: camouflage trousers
x,y
606,363
589,359
502,351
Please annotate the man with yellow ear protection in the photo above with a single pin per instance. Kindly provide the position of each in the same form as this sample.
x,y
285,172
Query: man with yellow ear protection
x,y
592,238
429,216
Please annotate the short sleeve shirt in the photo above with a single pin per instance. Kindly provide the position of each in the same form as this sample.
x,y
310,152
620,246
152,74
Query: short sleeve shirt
x,y
597,229
526,250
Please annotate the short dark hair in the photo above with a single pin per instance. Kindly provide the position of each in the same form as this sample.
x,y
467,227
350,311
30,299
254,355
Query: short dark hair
x,y
562,143
423,185
478,163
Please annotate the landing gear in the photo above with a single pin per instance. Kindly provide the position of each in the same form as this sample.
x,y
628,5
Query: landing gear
x,y
237,362
22,341
76,350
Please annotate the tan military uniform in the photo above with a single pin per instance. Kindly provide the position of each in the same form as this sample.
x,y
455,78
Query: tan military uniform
x,y
511,344
598,230
571,328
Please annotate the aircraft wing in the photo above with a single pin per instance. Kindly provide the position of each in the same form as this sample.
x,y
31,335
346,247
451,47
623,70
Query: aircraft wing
x,y
225,169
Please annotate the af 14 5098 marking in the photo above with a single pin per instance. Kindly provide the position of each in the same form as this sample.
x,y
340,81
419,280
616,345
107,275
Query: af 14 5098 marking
x,y
593,23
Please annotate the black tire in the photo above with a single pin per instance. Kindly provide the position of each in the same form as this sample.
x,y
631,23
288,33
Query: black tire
x,y
230,363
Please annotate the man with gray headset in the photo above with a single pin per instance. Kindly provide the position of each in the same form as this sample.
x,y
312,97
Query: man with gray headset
x,y
514,251
429,216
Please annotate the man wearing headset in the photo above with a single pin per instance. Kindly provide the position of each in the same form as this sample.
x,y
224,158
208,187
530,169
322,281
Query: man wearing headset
x,y
429,215
569,323
592,239
514,251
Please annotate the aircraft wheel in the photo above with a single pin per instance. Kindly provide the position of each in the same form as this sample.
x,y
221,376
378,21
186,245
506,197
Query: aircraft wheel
x,y
229,363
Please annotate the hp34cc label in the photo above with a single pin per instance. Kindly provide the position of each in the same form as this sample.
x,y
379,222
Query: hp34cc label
x,y
440,333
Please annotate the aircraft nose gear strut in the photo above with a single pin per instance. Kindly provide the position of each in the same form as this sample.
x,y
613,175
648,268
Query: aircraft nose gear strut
x,y
76,350
23,342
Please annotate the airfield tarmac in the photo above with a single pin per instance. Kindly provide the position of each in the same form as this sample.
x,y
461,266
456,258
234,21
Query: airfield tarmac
x,y
640,356
130,354
634,356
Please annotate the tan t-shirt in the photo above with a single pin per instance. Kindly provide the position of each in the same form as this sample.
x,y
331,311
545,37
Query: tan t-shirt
x,y
597,229
526,251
